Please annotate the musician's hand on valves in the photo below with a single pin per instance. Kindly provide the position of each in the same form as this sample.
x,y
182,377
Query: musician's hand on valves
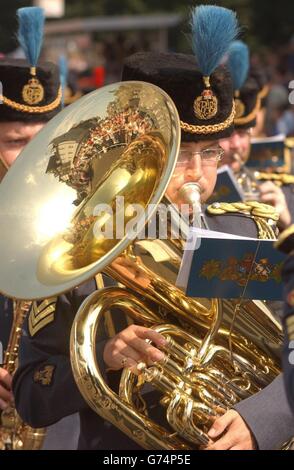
x,y
6,396
273,195
230,432
130,348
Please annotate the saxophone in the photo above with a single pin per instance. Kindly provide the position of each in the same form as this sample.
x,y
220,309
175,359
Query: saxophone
x,y
14,433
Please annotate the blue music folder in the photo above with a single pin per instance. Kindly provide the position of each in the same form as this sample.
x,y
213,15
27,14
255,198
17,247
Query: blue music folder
x,y
268,153
221,265
227,188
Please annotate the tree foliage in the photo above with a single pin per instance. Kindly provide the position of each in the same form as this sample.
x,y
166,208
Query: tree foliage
x,y
8,23
265,22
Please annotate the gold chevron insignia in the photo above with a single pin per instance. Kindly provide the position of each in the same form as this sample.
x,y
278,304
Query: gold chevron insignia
x,y
41,314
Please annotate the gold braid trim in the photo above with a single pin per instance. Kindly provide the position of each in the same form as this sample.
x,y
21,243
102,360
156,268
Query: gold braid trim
x,y
264,92
262,214
23,108
282,178
212,128
245,119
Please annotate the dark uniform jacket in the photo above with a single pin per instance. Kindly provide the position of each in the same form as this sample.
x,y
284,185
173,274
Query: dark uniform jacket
x,y
45,390
288,324
44,387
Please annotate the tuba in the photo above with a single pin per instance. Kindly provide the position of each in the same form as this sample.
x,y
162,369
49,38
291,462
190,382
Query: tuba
x,y
58,201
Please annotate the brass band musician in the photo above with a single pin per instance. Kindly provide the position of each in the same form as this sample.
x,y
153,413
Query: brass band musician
x,y
203,95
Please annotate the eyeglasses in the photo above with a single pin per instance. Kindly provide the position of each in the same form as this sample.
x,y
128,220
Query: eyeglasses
x,y
206,155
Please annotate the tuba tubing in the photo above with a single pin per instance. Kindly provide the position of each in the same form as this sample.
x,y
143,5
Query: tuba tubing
x,y
14,433
89,378
82,158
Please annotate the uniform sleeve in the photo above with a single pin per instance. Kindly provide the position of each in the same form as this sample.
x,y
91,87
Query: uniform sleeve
x,y
268,415
43,385
288,324
288,367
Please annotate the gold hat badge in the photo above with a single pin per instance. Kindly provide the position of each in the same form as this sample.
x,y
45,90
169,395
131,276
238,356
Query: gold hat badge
x,y
33,92
206,105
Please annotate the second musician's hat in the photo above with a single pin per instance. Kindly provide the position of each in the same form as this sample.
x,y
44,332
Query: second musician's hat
x,y
258,72
30,91
246,88
199,85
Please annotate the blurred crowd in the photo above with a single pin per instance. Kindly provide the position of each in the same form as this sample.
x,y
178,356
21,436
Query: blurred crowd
x,y
100,63
279,110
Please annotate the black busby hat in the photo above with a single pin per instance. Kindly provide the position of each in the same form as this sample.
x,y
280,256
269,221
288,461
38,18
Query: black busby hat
x,y
249,96
179,76
30,91
246,88
200,88
19,106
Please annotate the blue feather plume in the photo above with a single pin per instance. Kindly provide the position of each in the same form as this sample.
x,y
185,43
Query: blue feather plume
x,y
238,62
63,74
30,32
213,30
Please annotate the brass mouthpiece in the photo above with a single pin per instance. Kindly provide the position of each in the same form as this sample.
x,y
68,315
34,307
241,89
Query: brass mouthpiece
x,y
190,192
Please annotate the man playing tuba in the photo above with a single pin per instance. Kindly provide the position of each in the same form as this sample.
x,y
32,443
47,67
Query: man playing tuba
x,y
202,92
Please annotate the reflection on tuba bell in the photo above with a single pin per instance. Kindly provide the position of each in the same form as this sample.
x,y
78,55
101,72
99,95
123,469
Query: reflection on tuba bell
x,y
70,177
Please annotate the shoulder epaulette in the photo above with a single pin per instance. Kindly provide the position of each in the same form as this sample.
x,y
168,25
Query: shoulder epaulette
x,y
264,216
249,208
